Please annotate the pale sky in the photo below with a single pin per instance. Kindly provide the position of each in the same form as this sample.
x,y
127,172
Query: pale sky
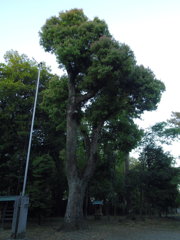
x,y
150,27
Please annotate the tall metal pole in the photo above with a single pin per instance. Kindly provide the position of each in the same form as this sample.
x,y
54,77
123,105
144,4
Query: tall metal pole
x,y
31,132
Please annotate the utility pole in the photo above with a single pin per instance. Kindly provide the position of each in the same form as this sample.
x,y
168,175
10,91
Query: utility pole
x,y
31,131
22,202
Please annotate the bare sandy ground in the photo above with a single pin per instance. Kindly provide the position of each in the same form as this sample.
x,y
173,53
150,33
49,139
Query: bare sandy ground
x,y
115,229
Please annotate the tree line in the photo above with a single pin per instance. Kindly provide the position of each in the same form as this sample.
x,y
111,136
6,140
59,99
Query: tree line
x,y
84,128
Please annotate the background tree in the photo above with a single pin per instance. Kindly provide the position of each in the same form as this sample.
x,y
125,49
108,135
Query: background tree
x,y
40,189
152,183
18,77
161,187
119,136
103,81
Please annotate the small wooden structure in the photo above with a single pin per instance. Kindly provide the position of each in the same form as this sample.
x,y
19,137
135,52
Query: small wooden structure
x,y
97,209
16,216
7,210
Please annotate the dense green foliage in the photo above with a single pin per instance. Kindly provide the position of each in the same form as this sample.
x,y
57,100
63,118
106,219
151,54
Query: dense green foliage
x,y
152,184
42,180
18,77
103,69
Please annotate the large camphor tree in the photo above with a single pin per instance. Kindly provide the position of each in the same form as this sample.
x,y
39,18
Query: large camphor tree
x,y
104,82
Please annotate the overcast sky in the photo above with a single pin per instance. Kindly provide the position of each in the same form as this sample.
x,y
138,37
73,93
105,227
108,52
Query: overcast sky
x,y
150,27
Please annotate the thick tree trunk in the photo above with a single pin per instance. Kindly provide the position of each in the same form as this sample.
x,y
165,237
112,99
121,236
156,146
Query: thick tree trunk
x,y
77,184
71,137
74,217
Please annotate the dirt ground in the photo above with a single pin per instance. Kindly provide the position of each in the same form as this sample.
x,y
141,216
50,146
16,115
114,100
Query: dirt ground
x,y
104,229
